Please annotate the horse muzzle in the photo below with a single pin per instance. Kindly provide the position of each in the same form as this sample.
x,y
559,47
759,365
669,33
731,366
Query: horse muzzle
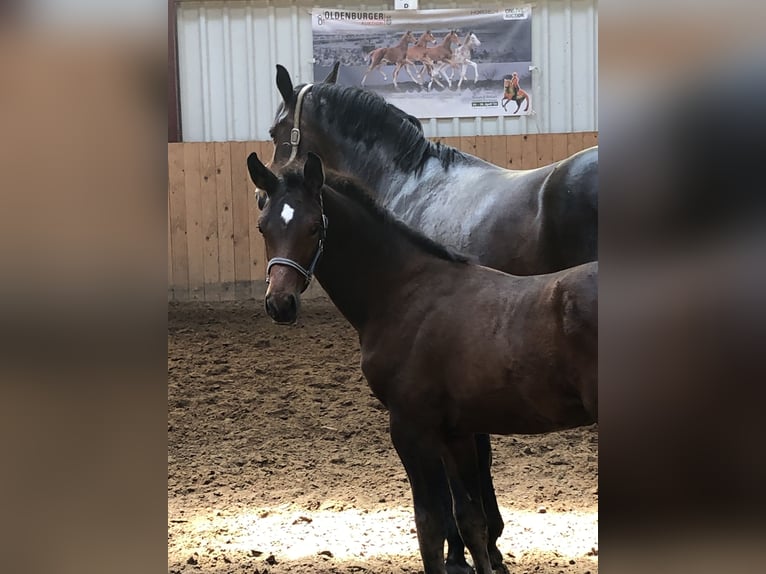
x,y
283,307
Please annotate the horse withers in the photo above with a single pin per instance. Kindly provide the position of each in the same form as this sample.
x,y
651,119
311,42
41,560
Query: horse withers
x,y
451,348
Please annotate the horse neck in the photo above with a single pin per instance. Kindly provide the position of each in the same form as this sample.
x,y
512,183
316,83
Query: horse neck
x,y
350,156
365,263
403,43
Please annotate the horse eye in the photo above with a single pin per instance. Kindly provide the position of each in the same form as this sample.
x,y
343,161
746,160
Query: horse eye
x,y
314,229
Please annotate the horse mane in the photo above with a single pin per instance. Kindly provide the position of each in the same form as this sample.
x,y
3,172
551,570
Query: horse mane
x,y
355,190
366,117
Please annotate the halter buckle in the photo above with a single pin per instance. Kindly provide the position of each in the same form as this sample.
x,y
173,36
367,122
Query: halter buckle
x,y
295,136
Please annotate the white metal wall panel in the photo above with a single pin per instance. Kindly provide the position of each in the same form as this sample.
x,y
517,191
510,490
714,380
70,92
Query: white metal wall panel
x,y
228,50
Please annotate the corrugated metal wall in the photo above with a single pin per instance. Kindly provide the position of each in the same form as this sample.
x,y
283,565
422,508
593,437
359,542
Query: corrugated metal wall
x,y
228,51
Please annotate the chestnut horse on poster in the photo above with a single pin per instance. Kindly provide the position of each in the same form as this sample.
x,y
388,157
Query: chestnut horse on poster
x,y
396,55
452,349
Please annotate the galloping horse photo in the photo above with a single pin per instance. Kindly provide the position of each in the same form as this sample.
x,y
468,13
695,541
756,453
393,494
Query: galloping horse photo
x,y
396,55
439,57
452,349
461,58
512,92
416,54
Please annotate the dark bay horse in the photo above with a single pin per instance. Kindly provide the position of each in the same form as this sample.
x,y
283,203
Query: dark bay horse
x,y
450,348
522,222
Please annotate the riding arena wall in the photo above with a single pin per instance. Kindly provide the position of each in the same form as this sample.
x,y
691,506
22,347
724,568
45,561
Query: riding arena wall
x,y
228,50
215,251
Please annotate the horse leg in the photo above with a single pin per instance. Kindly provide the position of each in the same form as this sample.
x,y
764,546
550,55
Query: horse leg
x,y
505,103
475,71
518,105
418,81
494,519
420,458
526,108
461,463
456,562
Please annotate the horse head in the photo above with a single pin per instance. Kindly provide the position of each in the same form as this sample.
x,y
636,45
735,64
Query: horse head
x,y
471,40
292,140
426,39
293,227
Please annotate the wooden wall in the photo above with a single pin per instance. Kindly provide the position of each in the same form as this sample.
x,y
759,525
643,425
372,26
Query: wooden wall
x,y
214,249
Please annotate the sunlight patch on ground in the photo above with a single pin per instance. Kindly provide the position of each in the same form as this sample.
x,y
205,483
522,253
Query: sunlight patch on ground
x,y
290,533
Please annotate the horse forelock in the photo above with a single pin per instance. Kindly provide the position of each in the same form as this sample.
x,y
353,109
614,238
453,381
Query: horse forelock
x,y
365,117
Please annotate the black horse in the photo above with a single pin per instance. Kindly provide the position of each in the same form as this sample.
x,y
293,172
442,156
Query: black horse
x,y
523,222
453,350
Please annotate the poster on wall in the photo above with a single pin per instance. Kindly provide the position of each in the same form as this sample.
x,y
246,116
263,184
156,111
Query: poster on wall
x,y
432,63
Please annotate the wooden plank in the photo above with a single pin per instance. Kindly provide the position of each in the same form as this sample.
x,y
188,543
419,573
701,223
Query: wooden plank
x,y
589,139
560,150
177,203
170,253
241,217
574,143
452,141
483,144
225,221
194,233
497,151
210,222
468,144
267,149
513,152
257,247
544,149
529,151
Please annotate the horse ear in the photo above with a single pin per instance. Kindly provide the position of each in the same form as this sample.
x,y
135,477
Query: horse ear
x,y
313,172
285,84
332,77
262,176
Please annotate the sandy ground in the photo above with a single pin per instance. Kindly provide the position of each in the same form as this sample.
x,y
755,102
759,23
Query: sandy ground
x,y
279,458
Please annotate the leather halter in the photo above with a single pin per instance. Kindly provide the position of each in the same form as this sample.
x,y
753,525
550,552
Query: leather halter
x,y
295,133
308,274
295,139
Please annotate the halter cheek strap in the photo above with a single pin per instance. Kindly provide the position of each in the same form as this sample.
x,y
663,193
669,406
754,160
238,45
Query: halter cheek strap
x,y
295,133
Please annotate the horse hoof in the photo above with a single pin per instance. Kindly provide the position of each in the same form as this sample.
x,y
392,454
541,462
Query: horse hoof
x,y
455,568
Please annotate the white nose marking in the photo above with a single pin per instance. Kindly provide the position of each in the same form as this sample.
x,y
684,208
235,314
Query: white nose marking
x,y
287,213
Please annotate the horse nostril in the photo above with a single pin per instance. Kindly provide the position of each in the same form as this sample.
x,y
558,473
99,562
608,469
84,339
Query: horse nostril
x,y
269,306
292,303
